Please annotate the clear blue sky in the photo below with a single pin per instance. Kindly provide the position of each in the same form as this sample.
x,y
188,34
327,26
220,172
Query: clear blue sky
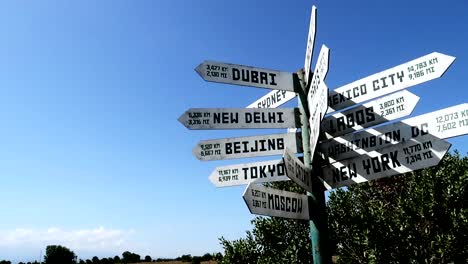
x,y
91,153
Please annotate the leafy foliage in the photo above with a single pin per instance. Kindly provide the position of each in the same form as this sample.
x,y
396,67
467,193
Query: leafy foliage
x,y
59,255
419,217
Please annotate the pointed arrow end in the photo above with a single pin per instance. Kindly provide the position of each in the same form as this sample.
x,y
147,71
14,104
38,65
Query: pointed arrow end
x,y
199,69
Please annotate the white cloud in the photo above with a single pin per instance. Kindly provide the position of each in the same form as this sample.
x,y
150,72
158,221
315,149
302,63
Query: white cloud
x,y
95,240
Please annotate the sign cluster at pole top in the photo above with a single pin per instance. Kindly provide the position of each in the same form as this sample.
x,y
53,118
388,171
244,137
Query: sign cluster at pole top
x,y
354,149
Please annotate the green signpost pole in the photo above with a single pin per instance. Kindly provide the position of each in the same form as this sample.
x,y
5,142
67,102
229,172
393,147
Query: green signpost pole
x,y
317,208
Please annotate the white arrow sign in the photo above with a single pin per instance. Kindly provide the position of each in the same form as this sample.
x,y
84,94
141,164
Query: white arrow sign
x,y
320,73
401,158
233,118
262,200
241,174
245,147
245,75
390,107
296,170
317,97
411,73
444,123
273,99
310,43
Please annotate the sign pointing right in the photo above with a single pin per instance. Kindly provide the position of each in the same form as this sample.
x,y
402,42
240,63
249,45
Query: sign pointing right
x,y
444,123
397,159
408,74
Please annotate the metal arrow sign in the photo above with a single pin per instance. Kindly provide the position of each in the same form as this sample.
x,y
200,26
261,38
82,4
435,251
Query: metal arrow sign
x,y
273,99
296,170
245,75
445,123
310,43
241,174
390,107
411,73
245,147
262,200
317,97
233,118
397,159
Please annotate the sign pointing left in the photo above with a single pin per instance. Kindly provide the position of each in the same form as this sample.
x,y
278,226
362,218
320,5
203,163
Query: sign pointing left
x,y
262,200
242,118
245,75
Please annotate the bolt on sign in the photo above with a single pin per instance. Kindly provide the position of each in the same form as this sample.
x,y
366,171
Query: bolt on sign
x,y
444,123
246,147
397,159
240,118
420,70
242,174
245,75
390,107
262,200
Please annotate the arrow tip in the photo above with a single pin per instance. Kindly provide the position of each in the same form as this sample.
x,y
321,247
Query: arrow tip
x,y
246,196
182,119
199,69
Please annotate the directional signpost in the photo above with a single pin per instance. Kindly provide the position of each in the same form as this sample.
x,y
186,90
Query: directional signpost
x,y
245,147
245,75
241,174
354,156
408,74
232,118
401,158
297,171
444,123
262,200
390,107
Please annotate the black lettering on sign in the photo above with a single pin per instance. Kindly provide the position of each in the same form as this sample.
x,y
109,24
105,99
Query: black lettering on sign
x,y
381,163
344,173
284,203
225,118
259,145
253,76
415,131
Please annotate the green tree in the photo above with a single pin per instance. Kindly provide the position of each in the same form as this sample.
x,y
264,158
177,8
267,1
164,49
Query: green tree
x,y
56,254
128,257
148,259
419,217
272,240
96,260
116,259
